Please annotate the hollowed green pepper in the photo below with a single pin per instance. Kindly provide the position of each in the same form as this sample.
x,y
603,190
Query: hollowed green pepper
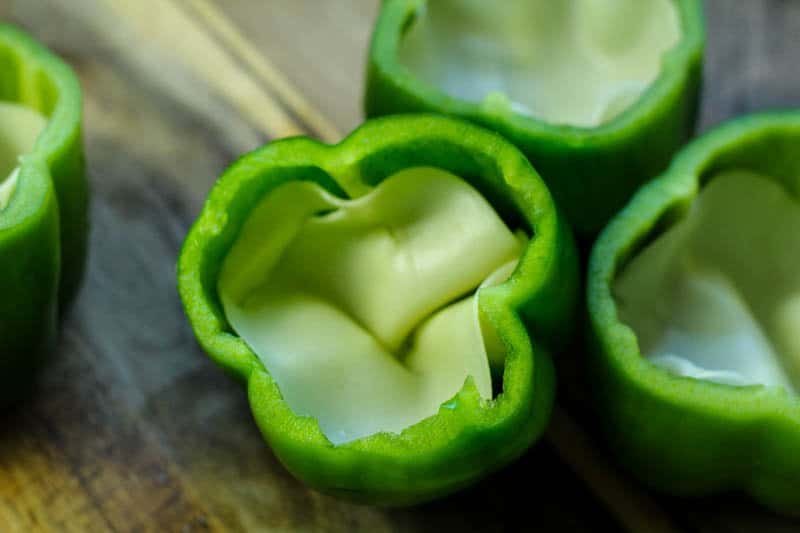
x,y
599,94
694,304
43,202
362,293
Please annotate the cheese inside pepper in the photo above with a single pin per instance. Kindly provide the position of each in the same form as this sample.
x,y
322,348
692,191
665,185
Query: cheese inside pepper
x,y
20,126
573,62
365,311
716,297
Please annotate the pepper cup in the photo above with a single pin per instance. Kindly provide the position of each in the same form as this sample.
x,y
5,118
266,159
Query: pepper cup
x,y
694,306
391,303
43,203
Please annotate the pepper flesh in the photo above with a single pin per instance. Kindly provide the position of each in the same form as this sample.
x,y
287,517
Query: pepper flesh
x,y
593,152
419,462
710,245
41,177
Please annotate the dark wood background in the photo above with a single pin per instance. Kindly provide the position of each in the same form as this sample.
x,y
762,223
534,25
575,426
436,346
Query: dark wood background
x,y
132,428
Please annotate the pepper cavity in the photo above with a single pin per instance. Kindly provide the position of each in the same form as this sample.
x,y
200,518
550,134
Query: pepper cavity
x,y
20,126
577,62
367,315
715,297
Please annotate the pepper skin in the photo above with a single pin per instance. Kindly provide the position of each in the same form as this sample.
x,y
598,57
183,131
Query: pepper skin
x,y
43,227
679,434
592,171
469,436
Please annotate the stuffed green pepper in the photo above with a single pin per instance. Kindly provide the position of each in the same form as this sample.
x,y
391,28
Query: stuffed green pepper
x,y
694,305
43,203
599,94
391,303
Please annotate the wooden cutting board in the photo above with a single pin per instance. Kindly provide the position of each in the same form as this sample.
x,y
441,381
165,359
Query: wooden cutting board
x,y
132,428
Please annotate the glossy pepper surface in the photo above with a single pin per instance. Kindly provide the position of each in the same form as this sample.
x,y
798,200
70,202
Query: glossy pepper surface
x,y
468,434
43,202
598,95
694,318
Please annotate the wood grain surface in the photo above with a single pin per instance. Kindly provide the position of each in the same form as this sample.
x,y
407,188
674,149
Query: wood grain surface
x,y
131,427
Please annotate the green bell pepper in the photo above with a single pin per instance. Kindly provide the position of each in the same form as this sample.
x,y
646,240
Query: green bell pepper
x,y
362,293
694,305
43,203
598,94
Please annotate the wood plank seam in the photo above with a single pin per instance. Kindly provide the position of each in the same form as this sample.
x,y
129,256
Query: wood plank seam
x,y
166,23
260,67
637,512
